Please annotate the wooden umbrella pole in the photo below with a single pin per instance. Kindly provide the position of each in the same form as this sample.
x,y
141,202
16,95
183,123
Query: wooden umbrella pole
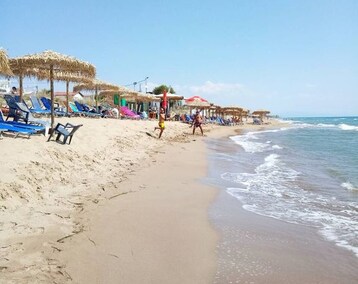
x,y
20,86
52,99
119,105
67,101
96,97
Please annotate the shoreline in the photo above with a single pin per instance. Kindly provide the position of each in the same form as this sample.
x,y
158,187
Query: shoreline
x,y
259,249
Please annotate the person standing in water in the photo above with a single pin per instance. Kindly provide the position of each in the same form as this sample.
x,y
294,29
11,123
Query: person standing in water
x,y
161,122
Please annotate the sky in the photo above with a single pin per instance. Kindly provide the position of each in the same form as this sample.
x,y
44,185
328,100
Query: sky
x,y
292,57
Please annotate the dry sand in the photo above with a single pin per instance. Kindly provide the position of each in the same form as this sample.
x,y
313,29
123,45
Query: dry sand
x,y
116,206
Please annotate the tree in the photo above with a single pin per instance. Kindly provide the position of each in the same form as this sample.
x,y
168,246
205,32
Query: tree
x,y
162,88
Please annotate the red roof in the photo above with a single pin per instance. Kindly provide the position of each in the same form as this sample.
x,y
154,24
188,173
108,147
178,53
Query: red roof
x,y
196,99
63,94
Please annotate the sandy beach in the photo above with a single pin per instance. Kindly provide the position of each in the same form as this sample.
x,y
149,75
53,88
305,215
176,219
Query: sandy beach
x,y
55,197
115,206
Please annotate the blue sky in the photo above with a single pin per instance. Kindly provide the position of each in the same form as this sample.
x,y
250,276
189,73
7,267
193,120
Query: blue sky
x,y
295,58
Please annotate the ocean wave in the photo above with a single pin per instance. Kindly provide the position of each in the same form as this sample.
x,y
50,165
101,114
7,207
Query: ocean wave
x,y
349,186
330,233
250,145
325,125
245,141
273,190
348,127
341,126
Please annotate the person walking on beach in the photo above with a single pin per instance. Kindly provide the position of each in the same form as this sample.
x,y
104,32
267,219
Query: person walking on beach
x,y
161,122
197,121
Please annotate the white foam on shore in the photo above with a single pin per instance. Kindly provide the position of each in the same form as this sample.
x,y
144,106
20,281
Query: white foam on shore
x,y
331,235
250,145
272,191
349,186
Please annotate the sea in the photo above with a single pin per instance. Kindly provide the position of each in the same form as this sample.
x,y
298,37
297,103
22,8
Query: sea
x,y
305,173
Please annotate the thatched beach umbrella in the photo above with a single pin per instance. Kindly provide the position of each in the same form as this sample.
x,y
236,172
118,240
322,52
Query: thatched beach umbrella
x,y
122,92
57,76
25,72
70,77
197,102
52,62
262,113
233,110
147,98
4,64
143,98
95,85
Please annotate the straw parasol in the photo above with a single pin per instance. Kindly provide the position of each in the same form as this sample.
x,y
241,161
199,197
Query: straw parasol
x,y
70,77
147,98
4,63
95,85
121,91
261,113
197,102
51,62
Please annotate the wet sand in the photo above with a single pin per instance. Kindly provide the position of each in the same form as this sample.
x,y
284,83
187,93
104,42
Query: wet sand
x,y
259,249
157,232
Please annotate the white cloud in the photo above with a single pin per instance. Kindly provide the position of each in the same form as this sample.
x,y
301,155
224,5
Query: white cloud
x,y
215,88
218,93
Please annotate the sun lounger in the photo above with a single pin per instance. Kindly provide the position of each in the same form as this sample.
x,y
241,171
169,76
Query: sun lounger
x,y
14,112
1,132
29,117
256,121
32,109
86,111
36,106
36,128
128,113
66,131
16,130
75,110
143,115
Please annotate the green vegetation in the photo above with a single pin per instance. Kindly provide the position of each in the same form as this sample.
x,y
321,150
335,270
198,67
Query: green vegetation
x,y
162,88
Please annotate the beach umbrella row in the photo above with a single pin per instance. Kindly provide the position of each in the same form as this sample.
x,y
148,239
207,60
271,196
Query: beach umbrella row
x,y
95,85
70,77
54,66
48,63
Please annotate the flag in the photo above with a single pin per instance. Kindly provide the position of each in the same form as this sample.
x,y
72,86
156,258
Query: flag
x,y
164,105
